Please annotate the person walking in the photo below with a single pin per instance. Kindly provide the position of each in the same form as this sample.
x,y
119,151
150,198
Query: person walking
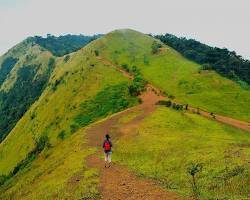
x,y
107,147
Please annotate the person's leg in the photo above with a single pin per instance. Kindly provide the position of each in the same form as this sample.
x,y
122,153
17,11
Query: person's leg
x,y
106,159
109,158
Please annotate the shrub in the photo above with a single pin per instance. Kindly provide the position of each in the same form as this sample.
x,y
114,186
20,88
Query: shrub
x,y
192,170
73,128
62,135
96,53
165,103
155,47
125,67
66,58
110,100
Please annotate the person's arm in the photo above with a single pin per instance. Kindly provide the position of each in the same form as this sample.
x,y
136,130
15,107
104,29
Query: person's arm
x,y
111,143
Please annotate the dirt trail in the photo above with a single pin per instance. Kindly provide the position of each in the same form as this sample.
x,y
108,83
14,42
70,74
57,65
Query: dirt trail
x,y
117,183
220,118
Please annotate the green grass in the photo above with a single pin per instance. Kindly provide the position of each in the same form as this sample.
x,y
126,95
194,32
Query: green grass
x,y
50,176
111,100
168,142
81,79
175,75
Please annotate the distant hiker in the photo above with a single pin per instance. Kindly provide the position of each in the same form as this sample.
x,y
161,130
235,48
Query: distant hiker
x,y
107,145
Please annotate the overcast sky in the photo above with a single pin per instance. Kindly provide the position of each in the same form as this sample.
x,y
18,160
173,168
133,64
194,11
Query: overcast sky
x,y
222,23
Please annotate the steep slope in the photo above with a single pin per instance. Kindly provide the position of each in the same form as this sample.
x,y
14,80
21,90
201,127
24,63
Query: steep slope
x,y
24,72
44,156
225,62
64,44
46,144
175,75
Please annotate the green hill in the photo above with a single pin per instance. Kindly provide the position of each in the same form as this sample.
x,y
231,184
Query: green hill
x,y
70,101
47,148
176,76
25,70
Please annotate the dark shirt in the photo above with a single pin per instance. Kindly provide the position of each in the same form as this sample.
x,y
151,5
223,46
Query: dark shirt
x,y
110,146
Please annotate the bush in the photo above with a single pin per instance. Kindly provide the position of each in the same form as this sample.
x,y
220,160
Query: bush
x,y
155,47
138,84
66,58
110,100
165,103
96,53
62,135
125,67
73,128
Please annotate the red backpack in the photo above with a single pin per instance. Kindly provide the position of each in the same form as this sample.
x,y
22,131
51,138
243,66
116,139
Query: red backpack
x,y
107,146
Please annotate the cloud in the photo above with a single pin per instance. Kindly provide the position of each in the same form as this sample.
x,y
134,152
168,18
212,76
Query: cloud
x,y
220,23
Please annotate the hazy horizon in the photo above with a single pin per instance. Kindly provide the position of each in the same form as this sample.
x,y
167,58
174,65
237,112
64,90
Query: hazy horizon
x,y
216,23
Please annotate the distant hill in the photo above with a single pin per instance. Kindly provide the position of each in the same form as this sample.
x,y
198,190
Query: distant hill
x,y
175,75
54,100
25,70
223,61
65,44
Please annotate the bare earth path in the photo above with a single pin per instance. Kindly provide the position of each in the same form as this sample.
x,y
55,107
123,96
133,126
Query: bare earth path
x,y
220,118
117,183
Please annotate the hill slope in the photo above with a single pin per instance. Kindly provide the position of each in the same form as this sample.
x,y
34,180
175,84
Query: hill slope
x,y
44,156
24,72
175,75
71,100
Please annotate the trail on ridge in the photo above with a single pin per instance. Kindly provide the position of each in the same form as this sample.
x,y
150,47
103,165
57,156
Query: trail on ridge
x,y
116,182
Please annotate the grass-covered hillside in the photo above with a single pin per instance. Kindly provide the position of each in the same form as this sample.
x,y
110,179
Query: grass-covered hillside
x,y
24,73
46,144
176,76
25,70
170,146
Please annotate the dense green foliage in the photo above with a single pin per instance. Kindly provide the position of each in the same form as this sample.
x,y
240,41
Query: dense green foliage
x,y
6,67
225,62
26,90
138,84
65,44
111,100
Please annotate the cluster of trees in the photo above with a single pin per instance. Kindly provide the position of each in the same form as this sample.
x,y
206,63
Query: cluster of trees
x,y
138,83
175,106
6,66
110,100
26,90
65,44
225,62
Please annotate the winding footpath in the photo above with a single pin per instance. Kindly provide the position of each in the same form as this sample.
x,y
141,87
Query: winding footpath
x,y
117,182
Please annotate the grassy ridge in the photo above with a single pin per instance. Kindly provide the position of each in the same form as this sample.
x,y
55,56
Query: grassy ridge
x,y
175,75
80,80
169,142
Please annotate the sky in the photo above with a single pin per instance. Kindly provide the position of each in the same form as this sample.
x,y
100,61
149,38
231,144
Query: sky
x,y
221,23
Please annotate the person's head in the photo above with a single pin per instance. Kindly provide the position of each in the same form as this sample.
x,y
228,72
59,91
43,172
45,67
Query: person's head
x,y
107,136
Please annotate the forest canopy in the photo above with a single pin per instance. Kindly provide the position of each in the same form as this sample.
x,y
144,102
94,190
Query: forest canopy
x,y
225,62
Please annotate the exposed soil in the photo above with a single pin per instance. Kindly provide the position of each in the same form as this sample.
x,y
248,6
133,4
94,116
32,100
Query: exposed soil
x,y
117,182
220,118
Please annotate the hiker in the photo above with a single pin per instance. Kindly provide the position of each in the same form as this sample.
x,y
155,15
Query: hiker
x,y
107,145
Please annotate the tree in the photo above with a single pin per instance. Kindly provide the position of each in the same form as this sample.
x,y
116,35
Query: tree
x,y
155,47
